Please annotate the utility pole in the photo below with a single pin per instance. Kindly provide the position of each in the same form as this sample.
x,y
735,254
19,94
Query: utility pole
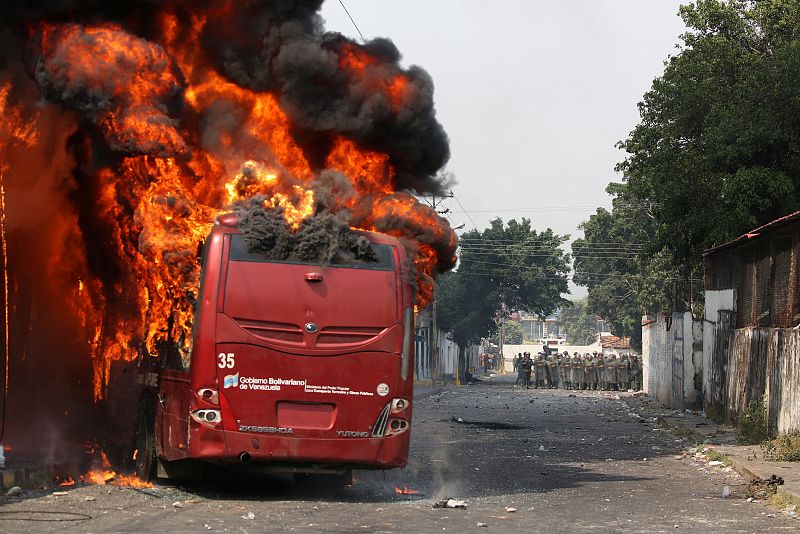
x,y
433,362
501,338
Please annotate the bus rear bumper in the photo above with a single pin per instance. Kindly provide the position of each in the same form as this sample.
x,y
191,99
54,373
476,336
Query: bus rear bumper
x,y
229,446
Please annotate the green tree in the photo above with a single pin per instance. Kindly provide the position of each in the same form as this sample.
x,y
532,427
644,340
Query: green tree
x,y
514,333
715,154
717,151
617,259
502,268
579,325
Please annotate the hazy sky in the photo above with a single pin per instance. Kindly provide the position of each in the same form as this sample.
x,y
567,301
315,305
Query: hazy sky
x,y
533,94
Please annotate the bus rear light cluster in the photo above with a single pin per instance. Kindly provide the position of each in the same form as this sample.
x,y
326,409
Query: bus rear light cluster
x,y
209,395
209,418
399,405
379,427
396,426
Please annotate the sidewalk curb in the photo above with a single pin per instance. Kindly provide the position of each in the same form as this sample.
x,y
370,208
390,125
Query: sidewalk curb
x,y
748,470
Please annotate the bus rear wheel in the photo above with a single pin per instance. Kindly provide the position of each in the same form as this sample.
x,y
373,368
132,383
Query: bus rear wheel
x,y
145,449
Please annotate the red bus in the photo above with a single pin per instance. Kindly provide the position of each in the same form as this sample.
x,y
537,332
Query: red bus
x,y
294,367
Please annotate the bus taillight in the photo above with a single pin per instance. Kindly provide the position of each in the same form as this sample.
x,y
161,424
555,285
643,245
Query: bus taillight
x,y
210,395
396,426
209,418
399,405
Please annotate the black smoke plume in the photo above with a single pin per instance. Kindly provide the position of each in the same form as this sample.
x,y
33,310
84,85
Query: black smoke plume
x,y
324,239
282,47
76,228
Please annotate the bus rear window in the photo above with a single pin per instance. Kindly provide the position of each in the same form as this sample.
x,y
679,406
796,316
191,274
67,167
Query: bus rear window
x,y
383,254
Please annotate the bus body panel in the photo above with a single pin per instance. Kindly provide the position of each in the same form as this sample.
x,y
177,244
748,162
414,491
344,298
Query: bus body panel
x,y
290,393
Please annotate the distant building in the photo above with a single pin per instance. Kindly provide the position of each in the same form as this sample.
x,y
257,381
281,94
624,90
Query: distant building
x,y
615,344
535,329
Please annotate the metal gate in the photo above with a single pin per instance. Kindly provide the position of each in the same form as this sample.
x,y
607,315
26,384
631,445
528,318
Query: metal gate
x,y
719,363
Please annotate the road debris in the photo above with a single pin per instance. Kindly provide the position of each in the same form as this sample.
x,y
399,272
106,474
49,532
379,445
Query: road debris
x,y
764,488
177,504
482,525
510,510
449,502
249,515
15,491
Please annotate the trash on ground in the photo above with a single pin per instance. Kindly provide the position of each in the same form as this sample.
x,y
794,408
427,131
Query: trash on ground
x,y
715,463
449,502
249,515
764,488
726,491
510,510
482,525
177,504
16,491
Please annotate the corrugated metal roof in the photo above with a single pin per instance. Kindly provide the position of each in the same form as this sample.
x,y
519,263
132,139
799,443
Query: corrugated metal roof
x,y
752,234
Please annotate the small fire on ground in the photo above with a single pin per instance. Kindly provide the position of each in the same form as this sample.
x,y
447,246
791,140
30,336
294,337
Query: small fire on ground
x,y
405,490
104,475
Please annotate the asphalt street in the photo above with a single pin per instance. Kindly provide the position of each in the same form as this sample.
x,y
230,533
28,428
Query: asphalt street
x,y
523,460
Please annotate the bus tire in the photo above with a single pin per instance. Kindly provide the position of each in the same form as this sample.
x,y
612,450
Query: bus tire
x,y
145,449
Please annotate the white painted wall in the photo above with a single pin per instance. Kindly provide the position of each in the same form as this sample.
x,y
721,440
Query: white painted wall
x,y
662,349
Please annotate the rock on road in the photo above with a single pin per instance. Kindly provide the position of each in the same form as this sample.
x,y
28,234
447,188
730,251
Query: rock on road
x,y
577,461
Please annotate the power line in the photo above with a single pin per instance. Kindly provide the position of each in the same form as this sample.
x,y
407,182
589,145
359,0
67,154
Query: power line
x,y
464,210
583,253
517,241
549,209
351,20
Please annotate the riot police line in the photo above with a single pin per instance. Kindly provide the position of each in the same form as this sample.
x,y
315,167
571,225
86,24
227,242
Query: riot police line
x,y
592,371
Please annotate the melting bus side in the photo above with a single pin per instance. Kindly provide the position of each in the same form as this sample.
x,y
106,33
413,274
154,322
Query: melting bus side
x,y
293,366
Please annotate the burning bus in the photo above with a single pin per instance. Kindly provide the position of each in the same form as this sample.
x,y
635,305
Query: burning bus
x,y
126,131
298,363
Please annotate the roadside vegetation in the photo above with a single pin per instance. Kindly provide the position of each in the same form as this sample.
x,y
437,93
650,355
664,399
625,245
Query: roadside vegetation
x,y
714,155
504,268
754,430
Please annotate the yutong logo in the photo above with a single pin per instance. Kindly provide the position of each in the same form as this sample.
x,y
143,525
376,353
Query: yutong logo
x,y
351,434
265,429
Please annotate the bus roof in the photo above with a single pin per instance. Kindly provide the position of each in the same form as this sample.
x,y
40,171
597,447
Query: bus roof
x,y
231,220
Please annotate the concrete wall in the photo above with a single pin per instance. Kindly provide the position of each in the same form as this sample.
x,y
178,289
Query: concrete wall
x,y
672,357
764,363
749,364
448,357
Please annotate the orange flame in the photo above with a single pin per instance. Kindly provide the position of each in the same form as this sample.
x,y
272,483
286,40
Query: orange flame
x,y
159,207
405,490
102,477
